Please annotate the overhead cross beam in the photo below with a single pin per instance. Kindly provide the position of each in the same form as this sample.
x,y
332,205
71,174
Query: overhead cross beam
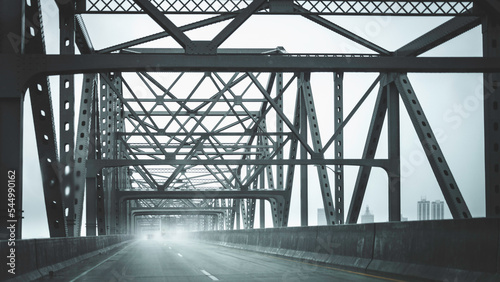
x,y
336,7
34,65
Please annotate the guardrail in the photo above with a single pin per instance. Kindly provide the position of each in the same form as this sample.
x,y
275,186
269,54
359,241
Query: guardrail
x,y
34,258
445,250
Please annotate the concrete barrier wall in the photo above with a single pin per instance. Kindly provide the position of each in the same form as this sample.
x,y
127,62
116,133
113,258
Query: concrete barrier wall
x,y
453,250
445,250
35,258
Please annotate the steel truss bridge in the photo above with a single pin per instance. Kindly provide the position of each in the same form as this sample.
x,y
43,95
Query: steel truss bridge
x,y
212,137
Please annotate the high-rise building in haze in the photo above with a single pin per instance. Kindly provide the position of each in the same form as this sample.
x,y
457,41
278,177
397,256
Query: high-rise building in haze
x,y
367,217
321,217
437,210
423,209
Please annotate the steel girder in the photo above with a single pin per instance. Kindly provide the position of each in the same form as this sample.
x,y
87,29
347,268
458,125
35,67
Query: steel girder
x,y
338,118
350,7
32,65
93,183
491,35
43,119
83,147
393,145
116,163
304,179
67,114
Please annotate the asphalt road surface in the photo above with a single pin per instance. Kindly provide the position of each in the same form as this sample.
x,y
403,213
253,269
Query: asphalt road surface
x,y
176,260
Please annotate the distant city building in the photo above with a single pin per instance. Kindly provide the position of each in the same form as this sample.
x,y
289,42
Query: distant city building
x,y
437,210
321,217
423,209
367,217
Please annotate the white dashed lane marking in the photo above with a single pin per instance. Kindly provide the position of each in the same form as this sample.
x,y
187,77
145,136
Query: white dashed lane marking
x,y
209,275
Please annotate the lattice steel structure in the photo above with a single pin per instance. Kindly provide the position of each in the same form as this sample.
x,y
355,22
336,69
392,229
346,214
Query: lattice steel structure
x,y
212,137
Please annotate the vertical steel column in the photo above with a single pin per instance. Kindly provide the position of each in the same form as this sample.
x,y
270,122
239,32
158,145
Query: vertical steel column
x,y
279,130
279,155
226,214
134,224
102,215
291,168
262,213
264,142
243,210
91,179
113,126
394,172
304,200
122,171
491,41
82,145
67,114
12,36
338,117
232,213
101,151
237,213
43,120
91,205
108,127
250,213
129,228
220,217
101,204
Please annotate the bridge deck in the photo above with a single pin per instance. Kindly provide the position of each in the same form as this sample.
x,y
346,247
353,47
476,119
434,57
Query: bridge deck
x,y
175,260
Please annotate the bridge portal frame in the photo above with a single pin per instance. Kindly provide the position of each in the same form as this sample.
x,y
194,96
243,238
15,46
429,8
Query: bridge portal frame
x,y
25,65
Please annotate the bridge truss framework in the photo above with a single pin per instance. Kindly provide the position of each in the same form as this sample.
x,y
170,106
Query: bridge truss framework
x,y
214,138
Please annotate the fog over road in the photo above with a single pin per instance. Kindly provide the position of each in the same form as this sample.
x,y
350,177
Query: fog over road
x,y
178,260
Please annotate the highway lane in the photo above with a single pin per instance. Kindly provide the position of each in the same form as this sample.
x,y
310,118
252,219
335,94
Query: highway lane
x,y
177,260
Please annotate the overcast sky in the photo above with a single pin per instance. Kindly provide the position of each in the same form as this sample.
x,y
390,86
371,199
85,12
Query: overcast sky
x,y
451,102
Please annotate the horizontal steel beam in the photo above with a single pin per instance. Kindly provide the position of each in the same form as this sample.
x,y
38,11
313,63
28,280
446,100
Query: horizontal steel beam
x,y
33,65
331,7
196,114
214,194
206,134
146,209
206,153
93,166
177,211
223,146
219,51
193,212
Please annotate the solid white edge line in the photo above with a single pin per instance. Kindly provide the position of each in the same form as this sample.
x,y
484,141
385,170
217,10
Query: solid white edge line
x,y
209,275
179,254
